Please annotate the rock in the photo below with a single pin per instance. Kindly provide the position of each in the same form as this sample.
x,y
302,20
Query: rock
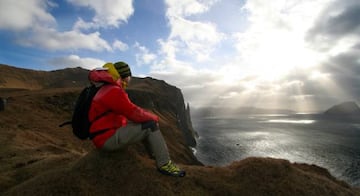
x,y
2,104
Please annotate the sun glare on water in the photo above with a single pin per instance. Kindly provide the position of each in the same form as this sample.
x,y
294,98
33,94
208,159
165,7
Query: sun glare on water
x,y
291,121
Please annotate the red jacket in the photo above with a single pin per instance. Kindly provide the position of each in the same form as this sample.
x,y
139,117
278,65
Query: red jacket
x,y
112,99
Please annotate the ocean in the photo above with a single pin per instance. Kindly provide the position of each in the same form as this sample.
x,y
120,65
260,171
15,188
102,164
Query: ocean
x,y
302,138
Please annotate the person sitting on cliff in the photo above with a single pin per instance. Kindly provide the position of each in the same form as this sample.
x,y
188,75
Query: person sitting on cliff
x,y
119,122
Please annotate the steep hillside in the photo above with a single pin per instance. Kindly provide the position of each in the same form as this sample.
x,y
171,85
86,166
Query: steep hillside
x,y
39,158
32,142
13,78
16,80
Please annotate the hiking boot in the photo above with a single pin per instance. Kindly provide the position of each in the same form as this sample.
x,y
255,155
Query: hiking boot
x,y
171,169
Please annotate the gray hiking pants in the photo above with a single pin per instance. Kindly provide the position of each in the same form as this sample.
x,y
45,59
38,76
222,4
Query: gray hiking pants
x,y
133,133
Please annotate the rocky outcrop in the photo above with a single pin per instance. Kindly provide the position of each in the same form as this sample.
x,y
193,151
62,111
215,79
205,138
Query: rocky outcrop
x,y
2,104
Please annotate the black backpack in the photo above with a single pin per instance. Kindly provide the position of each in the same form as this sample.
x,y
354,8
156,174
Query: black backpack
x,y
80,122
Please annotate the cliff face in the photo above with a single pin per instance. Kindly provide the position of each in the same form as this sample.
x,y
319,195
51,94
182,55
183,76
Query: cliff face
x,y
164,98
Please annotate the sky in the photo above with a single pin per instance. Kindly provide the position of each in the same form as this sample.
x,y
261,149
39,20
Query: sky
x,y
302,55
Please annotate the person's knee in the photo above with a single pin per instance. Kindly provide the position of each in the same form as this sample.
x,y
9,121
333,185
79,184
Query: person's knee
x,y
152,125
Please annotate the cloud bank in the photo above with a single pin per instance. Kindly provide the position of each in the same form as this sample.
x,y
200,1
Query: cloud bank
x,y
293,54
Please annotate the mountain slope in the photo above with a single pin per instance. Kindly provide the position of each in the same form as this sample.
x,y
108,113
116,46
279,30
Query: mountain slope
x,y
32,142
17,78
39,158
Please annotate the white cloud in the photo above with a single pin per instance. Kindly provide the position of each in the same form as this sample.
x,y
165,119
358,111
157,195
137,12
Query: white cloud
x,y
319,76
37,27
187,7
199,38
80,24
194,39
76,61
108,13
168,48
198,85
120,45
53,40
23,15
229,95
144,56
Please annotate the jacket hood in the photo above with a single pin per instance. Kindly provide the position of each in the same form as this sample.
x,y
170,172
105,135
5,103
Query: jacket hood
x,y
102,75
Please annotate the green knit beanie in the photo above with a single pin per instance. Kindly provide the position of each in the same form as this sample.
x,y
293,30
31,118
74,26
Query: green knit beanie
x,y
123,69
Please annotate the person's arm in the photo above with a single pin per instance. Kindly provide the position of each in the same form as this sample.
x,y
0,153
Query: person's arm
x,y
120,103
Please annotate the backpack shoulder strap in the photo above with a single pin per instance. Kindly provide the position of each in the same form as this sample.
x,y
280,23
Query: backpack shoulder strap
x,y
65,123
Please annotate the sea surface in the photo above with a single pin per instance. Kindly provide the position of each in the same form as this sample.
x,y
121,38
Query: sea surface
x,y
303,138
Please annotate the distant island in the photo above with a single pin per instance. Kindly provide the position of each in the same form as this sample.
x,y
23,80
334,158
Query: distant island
x,y
347,108
346,111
